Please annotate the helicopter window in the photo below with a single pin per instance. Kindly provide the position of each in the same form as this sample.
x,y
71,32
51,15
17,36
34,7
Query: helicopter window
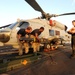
x,y
24,25
12,25
51,32
57,32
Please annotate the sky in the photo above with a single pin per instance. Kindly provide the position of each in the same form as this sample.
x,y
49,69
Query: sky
x,y
11,10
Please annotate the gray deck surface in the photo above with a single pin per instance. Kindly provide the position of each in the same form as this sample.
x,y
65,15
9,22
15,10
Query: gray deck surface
x,y
61,64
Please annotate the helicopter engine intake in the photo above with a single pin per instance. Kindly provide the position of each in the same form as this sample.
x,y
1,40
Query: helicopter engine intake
x,y
4,37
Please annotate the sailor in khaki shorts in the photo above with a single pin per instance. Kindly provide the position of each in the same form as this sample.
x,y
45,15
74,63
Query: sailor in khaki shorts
x,y
23,33
36,44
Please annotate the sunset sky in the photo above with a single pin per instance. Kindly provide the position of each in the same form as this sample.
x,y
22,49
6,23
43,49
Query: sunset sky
x,y
11,10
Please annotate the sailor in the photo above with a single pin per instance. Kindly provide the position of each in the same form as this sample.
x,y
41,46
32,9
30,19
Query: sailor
x,y
72,32
35,34
21,34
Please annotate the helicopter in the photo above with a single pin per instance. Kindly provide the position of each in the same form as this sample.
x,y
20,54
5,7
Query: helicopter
x,y
53,29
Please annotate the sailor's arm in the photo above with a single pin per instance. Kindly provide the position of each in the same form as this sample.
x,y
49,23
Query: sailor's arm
x,y
71,31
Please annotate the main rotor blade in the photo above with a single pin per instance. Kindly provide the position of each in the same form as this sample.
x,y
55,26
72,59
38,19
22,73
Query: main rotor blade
x,y
35,5
73,13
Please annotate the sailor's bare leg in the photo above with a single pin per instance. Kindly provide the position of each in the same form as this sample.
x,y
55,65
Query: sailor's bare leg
x,y
34,47
20,43
20,49
38,46
26,46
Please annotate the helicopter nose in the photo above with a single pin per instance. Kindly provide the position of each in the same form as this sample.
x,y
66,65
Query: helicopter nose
x,y
4,38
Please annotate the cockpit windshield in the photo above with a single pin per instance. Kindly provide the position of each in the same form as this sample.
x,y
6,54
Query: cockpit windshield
x,y
12,25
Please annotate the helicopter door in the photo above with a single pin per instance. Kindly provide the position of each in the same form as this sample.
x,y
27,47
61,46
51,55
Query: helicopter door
x,y
14,31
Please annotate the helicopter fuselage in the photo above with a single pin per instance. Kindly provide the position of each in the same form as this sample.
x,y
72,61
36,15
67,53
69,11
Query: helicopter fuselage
x,y
8,34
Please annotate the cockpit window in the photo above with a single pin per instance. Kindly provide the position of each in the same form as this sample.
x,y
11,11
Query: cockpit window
x,y
23,25
12,25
